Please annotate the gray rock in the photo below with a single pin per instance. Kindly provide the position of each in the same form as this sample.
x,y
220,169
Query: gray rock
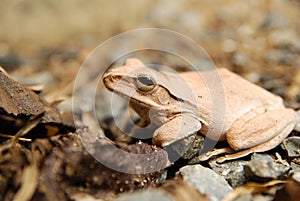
x,y
46,79
145,195
292,146
232,171
188,147
172,190
296,176
206,181
240,59
295,166
263,167
275,20
297,127
284,55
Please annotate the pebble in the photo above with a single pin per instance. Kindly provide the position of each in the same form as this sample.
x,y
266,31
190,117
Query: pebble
x,y
206,181
9,60
240,59
263,167
43,78
292,146
282,56
232,171
297,127
145,195
287,37
275,20
173,190
188,147
296,176
85,197
229,45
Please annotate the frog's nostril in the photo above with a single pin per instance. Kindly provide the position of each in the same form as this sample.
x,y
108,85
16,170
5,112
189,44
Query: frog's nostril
x,y
108,71
113,78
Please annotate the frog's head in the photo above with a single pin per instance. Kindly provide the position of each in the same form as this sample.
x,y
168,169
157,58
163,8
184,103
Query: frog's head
x,y
147,87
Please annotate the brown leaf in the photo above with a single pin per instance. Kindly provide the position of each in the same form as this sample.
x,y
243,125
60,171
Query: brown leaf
x,y
17,99
21,102
252,189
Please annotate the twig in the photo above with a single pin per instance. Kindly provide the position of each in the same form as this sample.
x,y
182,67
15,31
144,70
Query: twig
x,y
11,136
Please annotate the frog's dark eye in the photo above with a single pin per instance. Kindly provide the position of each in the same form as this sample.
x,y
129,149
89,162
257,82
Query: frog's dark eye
x,y
145,83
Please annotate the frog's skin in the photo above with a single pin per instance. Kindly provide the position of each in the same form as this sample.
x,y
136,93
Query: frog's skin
x,y
254,119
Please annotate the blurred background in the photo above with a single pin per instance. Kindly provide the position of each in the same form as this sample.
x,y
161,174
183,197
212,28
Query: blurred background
x,y
259,39
44,43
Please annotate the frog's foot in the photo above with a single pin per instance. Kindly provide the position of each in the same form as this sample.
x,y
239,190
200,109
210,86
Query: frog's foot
x,y
268,128
177,128
259,134
270,144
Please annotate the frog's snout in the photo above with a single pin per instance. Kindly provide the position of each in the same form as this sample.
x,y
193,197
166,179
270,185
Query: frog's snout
x,y
107,74
110,78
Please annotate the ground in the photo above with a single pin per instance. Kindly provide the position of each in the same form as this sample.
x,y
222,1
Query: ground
x,y
44,44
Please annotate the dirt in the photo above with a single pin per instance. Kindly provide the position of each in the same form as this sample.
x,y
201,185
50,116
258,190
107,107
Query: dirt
x,y
43,45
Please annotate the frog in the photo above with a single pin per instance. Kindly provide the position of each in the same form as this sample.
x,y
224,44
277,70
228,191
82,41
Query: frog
x,y
180,104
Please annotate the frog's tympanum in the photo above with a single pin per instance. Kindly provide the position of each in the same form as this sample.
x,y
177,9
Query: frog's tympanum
x,y
254,119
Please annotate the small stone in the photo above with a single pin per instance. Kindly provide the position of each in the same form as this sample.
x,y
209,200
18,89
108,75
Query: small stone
x,y
188,147
145,195
84,197
297,127
295,165
206,181
275,20
229,45
240,59
263,167
232,171
296,176
292,146
41,78
285,38
9,59
281,56
173,190
253,77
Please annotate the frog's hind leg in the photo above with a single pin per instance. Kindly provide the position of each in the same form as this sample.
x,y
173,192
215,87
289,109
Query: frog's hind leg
x,y
260,133
272,143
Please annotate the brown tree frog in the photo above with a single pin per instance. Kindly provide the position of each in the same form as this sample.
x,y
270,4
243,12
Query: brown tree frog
x,y
254,119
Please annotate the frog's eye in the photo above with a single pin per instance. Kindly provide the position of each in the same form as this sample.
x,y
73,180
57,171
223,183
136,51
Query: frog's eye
x,y
145,83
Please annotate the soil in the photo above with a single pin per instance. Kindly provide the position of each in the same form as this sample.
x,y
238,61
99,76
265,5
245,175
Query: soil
x,y
43,137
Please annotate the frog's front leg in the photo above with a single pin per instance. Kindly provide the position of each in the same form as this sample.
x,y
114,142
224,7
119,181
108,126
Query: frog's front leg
x,y
259,132
177,128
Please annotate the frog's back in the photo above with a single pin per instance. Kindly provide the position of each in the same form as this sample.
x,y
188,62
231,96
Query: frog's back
x,y
224,96
241,93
